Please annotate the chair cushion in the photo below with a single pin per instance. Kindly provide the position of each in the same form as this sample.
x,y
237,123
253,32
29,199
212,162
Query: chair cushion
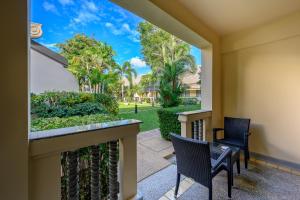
x,y
233,142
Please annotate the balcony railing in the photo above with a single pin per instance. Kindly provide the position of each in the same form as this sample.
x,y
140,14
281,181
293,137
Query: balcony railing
x,y
55,158
196,124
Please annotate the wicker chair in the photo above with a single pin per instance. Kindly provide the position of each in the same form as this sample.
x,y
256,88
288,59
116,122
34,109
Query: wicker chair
x,y
194,160
236,133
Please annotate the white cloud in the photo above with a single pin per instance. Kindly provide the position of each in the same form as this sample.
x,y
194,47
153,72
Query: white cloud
x,y
123,30
50,7
51,45
137,62
85,17
86,14
90,5
66,2
113,29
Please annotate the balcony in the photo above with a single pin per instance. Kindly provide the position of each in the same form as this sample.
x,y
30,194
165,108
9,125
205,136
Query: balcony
x,y
130,177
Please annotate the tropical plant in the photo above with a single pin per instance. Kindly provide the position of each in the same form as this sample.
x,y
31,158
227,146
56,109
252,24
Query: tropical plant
x,y
169,58
126,71
160,47
89,60
66,104
170,88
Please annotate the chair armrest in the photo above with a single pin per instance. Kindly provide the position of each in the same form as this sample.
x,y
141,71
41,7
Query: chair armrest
x,y
222,158
215,131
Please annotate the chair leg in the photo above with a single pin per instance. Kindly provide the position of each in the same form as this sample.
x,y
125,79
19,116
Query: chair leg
x,y
210,193
246,154
229,178
238,166
177,185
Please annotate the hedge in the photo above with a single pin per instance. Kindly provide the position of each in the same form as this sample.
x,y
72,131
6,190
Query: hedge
x,y
189,100
168,119
66,104
40,124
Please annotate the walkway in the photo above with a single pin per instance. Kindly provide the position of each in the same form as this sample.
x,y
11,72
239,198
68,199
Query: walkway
x,y
152,152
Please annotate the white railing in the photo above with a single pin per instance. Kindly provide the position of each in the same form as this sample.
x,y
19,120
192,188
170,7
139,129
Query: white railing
x,y
196,124
46,148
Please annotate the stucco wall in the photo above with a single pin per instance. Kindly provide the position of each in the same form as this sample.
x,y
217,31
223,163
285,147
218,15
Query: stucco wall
x,y
14,100
49,75
261,79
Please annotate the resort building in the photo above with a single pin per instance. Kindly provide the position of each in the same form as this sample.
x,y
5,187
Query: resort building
x,y
48,69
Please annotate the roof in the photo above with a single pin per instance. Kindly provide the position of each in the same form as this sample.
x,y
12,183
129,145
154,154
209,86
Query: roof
x,y
191,78
49,53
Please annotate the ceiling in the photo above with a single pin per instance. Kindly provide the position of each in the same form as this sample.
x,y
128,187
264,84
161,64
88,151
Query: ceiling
x,y
228,16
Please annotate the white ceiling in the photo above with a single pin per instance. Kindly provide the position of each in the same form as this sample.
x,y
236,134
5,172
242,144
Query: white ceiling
x,y
227,16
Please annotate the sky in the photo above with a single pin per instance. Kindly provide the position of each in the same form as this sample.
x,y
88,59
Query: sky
x,y
101,19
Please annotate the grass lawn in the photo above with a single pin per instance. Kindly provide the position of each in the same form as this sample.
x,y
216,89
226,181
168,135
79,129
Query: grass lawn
x,y
148,114
124,108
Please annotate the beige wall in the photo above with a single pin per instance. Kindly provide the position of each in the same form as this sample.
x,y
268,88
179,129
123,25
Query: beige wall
x,y
261,79
14,100
48,75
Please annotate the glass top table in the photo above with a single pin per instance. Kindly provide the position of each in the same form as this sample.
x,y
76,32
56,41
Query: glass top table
x,y
216,150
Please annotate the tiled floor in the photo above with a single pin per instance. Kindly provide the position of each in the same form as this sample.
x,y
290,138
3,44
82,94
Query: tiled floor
x,y
259,182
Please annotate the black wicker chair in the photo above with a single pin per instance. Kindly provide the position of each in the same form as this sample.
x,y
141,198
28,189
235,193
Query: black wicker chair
x,y
194,160
236,133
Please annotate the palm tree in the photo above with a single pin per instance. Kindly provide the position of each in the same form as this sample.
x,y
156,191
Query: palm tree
x,y
126,70
170,87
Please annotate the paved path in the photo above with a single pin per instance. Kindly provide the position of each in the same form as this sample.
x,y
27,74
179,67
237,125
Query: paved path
x,y
152,152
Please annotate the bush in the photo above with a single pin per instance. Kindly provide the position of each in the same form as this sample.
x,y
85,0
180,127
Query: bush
x,y
168,119
189,101
66,104
110,103
40,124
168,122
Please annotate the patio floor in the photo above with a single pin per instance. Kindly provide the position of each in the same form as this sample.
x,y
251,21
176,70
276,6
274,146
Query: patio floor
x,y
151,153
259,182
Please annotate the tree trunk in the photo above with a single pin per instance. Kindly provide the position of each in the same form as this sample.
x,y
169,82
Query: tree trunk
x,y
113,171
95,173
73,182
122,92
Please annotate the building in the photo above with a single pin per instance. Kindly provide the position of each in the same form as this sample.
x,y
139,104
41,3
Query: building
x,y
190,81
48,69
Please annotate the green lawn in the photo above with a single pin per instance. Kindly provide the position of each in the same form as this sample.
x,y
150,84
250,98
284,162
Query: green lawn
x,y
148,114
124,108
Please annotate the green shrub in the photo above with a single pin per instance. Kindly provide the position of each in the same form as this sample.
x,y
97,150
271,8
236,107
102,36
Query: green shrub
x,y
110,103
40,124
66,104
189,100
168,122
168,119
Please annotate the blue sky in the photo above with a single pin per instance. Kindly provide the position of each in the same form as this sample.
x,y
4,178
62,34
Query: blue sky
x,y
102,19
